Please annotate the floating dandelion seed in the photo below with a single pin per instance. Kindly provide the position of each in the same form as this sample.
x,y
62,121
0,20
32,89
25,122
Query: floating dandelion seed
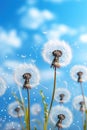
x,y
15,110
12,126
2,86
56,111
27,68
79,68
59,46
35,109
78,103
62,95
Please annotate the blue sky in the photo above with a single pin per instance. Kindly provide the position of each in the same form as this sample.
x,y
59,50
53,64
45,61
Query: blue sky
x,y
25,27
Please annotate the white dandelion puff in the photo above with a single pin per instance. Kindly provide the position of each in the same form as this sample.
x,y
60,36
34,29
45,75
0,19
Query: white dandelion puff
x,y
27,68
35,109
3,86
78,68
78,103
12,110
62,95
57,110
50,46
12,126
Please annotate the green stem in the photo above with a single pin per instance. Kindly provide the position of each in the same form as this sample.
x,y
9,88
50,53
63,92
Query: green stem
x,y
45,125
53,92
28,93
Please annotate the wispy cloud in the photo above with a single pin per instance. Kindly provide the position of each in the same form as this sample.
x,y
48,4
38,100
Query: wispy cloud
x,y
33,18
10,38
57,31
83,38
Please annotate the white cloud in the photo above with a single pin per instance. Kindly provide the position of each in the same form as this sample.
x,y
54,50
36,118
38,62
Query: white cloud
x,y
8,42
10,38
57,31
83,38
34,18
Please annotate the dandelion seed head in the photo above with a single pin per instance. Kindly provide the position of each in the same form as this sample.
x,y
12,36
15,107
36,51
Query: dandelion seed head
x,y
27,68
12,107
57,110
77,100
62,91
50,46
78,68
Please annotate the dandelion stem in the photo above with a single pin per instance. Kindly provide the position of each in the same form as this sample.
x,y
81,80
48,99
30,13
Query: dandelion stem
x,y
84,102
53,92
28,93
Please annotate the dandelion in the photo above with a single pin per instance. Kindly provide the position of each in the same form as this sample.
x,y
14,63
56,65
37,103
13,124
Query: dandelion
x,y
57,54
31,77
62,95
12,126
57,49
79,77
2,86
15,110
61,117
25,68
35,109
78,103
